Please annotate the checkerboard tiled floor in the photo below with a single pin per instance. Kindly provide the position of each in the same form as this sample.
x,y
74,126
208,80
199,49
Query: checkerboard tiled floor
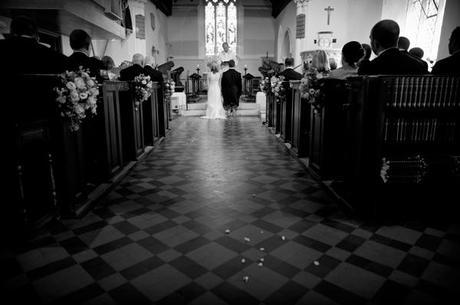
x,y
160,236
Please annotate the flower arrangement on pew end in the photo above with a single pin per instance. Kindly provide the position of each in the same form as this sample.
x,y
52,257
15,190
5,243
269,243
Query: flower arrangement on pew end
x,y
265,85
170,87
310,88
142,88
76,97
278,88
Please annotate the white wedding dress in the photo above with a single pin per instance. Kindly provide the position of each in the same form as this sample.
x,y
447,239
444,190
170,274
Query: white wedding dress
x,y
215,109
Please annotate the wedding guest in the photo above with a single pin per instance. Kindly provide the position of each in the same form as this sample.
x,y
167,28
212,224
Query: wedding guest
x,y
289,73
80,42
451,64
367,55
352,52
390,60
155,75
320,62
108,63
109,71
418,53
403,43
136,69
21,52
332,64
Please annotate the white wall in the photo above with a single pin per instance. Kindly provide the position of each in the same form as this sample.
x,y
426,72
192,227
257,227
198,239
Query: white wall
x,y
350,20
397,11
121,50
450,21
186,35
286,21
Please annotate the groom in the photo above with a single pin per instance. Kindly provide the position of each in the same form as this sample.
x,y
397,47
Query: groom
x,y
231,88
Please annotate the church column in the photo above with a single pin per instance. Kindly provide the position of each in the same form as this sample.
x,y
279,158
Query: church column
x,y
301,43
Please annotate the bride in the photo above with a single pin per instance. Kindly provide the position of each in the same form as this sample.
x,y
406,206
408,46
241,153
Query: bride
x,y
215,108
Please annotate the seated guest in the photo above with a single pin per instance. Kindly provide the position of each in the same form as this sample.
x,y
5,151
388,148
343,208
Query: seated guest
x,y
80,42
108,63
418,53
390,60
22,53
451,64
289,73
136,69
332,64
155,75
352,52
403,43
367,55
109,70
320,63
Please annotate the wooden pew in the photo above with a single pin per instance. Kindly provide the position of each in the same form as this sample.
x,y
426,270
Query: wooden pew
x,y
112,126
132,125
151,119
285,115
28,171
403,139
270,109
300,127
56,172
327,130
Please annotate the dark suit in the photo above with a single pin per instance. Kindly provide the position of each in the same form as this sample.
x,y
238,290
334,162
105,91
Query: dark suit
x,y
78,59
449,65
393,61
130,73
231,88
290,74
25,55
155,75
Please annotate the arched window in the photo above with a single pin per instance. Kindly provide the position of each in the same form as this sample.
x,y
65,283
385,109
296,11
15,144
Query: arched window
x,y
221,25
423,27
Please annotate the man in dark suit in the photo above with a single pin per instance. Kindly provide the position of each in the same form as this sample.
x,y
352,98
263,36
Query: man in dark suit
x,y
390,60
418,53
21,53
80,42
289,73
451,64
403,46
155,75
136,69
231,88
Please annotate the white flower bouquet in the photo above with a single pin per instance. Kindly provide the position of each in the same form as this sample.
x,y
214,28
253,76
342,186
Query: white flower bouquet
x,y
76,97
142,88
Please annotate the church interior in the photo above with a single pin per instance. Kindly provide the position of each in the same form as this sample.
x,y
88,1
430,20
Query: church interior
x,y
334,177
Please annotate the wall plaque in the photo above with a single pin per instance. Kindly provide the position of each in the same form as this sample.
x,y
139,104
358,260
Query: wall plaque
x,y
140,27
300,26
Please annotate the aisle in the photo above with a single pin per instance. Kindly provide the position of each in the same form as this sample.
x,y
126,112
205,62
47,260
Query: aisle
x,y
220,213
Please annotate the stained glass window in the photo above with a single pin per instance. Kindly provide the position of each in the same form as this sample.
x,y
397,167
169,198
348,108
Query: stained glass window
x,y
423,26
221,25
